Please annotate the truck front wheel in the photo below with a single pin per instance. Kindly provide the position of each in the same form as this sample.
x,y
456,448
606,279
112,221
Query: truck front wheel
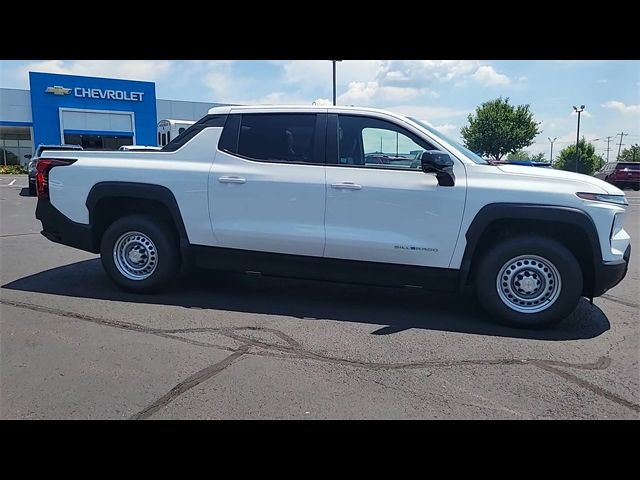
x,y
529,282
140,253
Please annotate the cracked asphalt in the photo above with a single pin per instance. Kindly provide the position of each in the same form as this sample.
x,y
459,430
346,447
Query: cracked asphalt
x,y
72,346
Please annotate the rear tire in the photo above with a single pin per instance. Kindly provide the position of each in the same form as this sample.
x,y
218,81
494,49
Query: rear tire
x,y
140,253
529,282
32,189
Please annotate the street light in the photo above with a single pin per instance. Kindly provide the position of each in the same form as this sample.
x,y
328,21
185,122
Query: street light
x,y
578,111
551,154
334,80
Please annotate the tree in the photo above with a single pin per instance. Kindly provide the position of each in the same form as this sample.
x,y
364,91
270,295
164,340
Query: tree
x,y
522,155
588,162
631,154
498,128
519,155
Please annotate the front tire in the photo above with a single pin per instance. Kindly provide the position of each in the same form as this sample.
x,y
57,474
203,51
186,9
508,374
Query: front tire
x,y
140,253
529,282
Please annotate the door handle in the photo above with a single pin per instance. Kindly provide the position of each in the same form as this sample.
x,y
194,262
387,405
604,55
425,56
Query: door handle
x,y
346,186
231,180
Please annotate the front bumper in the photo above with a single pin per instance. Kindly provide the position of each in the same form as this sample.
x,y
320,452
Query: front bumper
x,y
609,274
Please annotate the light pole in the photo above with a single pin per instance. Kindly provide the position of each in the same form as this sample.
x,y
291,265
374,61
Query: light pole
x,y
578,111
334,80
551,154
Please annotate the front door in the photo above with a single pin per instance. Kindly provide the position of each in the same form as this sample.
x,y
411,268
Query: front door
x,y
381,207
267,183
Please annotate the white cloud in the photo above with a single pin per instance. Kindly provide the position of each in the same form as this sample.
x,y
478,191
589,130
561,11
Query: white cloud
x,y
487,75
430,114
584,114
150,70
447,128
621,107
323,102
372,93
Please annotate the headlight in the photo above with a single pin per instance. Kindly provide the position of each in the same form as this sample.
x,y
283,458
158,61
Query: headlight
x,y
603,197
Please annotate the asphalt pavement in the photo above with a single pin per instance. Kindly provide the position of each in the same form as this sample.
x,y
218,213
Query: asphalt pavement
x,y
72,346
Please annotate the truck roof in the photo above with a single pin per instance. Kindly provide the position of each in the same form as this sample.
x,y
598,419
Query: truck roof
x,y
275,108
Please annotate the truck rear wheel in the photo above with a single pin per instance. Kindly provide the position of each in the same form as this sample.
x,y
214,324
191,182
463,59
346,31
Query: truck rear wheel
x,y
140,253
529,282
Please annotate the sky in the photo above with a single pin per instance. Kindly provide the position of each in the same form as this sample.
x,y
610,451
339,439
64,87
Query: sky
x,y
441,92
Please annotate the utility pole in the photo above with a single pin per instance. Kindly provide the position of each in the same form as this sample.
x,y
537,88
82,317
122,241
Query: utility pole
x,y
334,80
578,111
551,154
608,149
622,134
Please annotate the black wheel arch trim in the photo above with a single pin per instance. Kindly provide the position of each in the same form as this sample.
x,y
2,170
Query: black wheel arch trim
x,y
519,211
147,191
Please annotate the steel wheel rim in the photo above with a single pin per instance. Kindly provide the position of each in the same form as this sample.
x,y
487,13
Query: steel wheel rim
x,y
529,284
135,255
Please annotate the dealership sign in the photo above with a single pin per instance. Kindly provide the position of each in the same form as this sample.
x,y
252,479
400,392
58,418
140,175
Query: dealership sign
x,y
98,93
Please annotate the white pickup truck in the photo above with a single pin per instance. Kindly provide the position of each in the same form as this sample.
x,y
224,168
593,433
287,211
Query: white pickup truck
x,y
333,193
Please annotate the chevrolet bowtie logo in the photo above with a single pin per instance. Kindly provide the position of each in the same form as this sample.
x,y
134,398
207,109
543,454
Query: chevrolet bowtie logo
x,y
58,90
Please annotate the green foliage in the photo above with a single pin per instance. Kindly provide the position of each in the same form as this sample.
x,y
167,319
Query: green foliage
x,y
519,155
12,169
587,163
539,157
498,128
631,154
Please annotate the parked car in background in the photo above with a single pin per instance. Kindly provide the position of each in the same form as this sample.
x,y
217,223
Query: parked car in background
x,y
620,174
34,162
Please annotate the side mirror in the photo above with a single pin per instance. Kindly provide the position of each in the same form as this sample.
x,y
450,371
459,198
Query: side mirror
x,y
440,163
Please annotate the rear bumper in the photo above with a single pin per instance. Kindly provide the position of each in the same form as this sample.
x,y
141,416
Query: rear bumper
x,y
609,274
58,228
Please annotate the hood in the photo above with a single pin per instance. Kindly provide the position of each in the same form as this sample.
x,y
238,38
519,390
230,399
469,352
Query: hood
x,y
591,184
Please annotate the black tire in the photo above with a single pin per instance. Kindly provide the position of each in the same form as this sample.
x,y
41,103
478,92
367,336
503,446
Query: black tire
x,y
636,187
32,189
550,250
166,252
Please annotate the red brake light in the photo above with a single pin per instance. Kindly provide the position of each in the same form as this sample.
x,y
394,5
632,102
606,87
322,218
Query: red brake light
x,y
42,173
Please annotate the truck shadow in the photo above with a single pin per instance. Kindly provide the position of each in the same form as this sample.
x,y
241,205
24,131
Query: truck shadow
x,y
393,309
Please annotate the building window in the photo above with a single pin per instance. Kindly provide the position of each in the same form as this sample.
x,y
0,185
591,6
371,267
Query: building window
x,y
97,142
16,146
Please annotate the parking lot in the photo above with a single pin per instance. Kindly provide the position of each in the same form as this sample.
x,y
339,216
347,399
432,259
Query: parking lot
x,y
235,346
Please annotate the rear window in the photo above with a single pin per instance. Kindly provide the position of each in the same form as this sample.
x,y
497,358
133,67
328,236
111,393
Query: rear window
x,y
628,166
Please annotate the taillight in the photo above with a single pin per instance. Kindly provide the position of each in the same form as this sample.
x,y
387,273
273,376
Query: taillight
x,y
43,167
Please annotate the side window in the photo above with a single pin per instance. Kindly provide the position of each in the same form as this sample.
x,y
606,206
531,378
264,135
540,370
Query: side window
x,y
180,130
278,137
373,143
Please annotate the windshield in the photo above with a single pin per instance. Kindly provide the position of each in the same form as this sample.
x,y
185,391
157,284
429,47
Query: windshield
x,y
470,155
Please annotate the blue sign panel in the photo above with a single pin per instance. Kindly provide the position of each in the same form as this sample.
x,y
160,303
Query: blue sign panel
x,y
52,92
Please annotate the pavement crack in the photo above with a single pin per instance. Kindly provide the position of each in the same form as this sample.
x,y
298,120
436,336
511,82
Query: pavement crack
x,y
545,365
295,350
18,234
190,382
619,300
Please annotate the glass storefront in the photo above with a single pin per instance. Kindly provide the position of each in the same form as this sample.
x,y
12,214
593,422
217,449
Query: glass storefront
x,y
16,145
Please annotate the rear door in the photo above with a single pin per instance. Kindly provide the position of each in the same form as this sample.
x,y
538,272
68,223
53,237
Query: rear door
x,y
267,183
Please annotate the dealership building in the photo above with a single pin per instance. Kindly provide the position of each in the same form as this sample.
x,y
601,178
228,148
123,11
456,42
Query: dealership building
x,y
97,113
